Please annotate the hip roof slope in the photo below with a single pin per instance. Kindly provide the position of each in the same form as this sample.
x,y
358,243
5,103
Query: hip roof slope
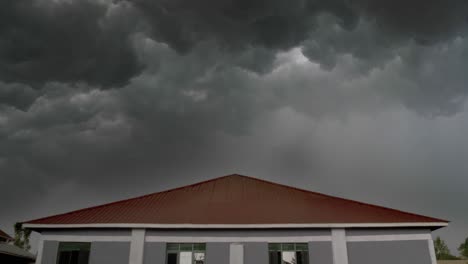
x,y
235,200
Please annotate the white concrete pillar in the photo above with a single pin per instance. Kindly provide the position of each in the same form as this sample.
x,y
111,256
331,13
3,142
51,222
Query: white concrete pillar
x,y
40,249
430,243
340,249
236,254
137,246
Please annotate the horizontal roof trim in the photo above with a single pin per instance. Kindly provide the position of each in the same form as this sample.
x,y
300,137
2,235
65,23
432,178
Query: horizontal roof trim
x,y
229,226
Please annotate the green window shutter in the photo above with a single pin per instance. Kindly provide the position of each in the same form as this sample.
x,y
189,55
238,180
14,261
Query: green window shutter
x,y
302,247
74,246
288,247
186,247
172,247
199,247
274,247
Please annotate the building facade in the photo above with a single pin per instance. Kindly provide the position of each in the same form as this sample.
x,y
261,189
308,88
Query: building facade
x,y
236,220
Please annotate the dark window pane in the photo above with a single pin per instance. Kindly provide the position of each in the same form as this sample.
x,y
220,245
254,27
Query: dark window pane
x,y
302,257
74,257
83,258
171,258
275,257
73,253
64,257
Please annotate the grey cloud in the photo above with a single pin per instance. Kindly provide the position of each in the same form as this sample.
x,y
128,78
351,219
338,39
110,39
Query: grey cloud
x,y
171,112
365,42
437,78
17,95
81,40
428,80
72,132
174,114
68,41
280,26
424,21
237,25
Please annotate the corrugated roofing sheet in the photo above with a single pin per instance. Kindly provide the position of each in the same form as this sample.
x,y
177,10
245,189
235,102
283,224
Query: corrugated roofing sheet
x,y
235,199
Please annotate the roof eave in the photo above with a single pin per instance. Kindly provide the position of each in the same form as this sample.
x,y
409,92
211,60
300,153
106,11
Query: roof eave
x,y
431,225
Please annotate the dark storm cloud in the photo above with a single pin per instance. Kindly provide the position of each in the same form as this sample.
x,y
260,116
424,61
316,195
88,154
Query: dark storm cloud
x,y
89,41
425,21
73,131
194,85
428,80
66,41
17,95
320,94
281,25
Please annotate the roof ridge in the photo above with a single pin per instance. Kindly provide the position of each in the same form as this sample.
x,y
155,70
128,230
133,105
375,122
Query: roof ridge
x,y
341,198
129,199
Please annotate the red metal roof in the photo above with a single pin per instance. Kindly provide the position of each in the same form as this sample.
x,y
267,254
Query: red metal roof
x,y
5,236
235,200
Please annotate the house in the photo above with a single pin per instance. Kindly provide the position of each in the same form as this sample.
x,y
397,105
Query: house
x,y
10,254
236,220
4,237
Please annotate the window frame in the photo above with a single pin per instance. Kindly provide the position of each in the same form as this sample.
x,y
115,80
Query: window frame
x,y
193,249
81,247
288,247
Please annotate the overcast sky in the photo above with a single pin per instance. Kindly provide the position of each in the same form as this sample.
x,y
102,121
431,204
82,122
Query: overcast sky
x,y
103,100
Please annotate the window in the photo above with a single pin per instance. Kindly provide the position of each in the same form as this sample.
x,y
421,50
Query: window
x,y
288,253
185,253
73,253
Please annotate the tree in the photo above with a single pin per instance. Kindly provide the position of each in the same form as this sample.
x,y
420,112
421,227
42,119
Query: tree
x,y
442,251
463,248
22,237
